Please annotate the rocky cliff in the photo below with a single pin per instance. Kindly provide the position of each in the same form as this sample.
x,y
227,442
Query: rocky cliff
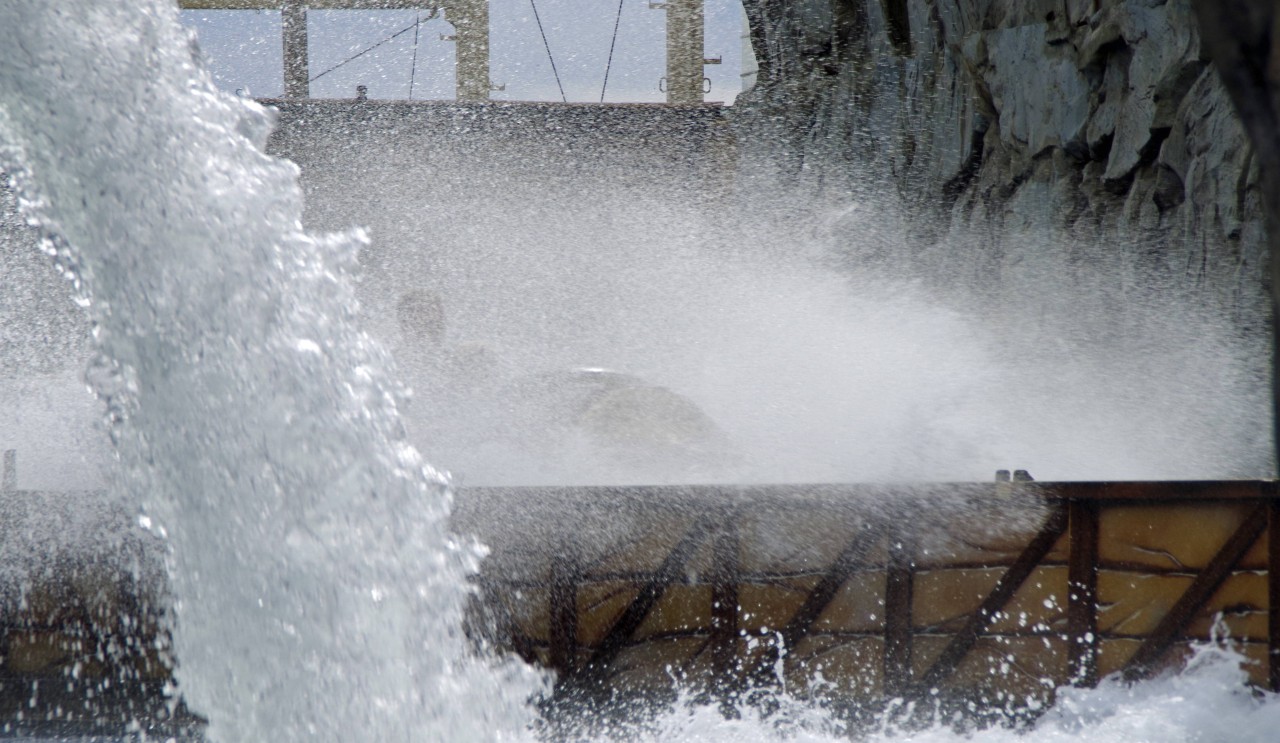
x,y
1100,123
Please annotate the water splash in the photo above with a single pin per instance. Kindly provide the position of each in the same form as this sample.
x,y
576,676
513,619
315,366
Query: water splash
x,y
319,594
1210,700
827,354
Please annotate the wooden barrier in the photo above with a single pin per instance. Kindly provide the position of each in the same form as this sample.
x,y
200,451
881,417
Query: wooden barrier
x,y
860,593
988,594
83,598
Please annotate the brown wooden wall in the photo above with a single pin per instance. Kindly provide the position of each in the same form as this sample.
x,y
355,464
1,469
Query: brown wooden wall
x,y
998,593
994,592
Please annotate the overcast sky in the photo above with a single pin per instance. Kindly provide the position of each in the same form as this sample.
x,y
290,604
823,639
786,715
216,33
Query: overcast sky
x,y
243,47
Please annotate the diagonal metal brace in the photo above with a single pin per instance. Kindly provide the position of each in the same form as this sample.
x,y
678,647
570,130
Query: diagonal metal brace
x,y
1055,525
1144,659
671,570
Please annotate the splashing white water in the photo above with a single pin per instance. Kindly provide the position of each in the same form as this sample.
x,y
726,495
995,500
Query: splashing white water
x,y
1208,702
319,595
319,600
818,336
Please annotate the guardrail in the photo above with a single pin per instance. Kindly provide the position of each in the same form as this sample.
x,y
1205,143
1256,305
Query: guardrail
x,y
990,595
861,593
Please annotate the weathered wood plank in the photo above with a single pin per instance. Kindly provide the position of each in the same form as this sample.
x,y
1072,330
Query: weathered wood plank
x,y
1144,659
849,560
851,557
964,640
639,608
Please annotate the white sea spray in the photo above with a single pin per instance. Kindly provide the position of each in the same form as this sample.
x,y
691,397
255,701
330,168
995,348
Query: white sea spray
x,y
319,594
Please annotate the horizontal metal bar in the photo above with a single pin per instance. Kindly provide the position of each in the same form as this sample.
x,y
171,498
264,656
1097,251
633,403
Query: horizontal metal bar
x,y
785,580
1154,492
837,636
1206,490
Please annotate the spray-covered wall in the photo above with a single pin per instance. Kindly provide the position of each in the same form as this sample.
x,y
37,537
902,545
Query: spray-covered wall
x,y
1100,121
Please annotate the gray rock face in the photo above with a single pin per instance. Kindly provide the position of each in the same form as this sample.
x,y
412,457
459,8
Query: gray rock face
x,y
1040,95
1099,120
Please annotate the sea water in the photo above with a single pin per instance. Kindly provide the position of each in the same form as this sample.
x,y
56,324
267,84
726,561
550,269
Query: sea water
x,y
318,592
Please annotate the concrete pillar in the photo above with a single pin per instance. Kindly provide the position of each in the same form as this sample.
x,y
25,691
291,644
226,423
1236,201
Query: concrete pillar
x,y
293,22
684,52
470,19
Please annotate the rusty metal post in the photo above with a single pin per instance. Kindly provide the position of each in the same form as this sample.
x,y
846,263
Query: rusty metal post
x,y
293,30
1082,594
725,577
1273,595
684,52
898,594
470,19
566,573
